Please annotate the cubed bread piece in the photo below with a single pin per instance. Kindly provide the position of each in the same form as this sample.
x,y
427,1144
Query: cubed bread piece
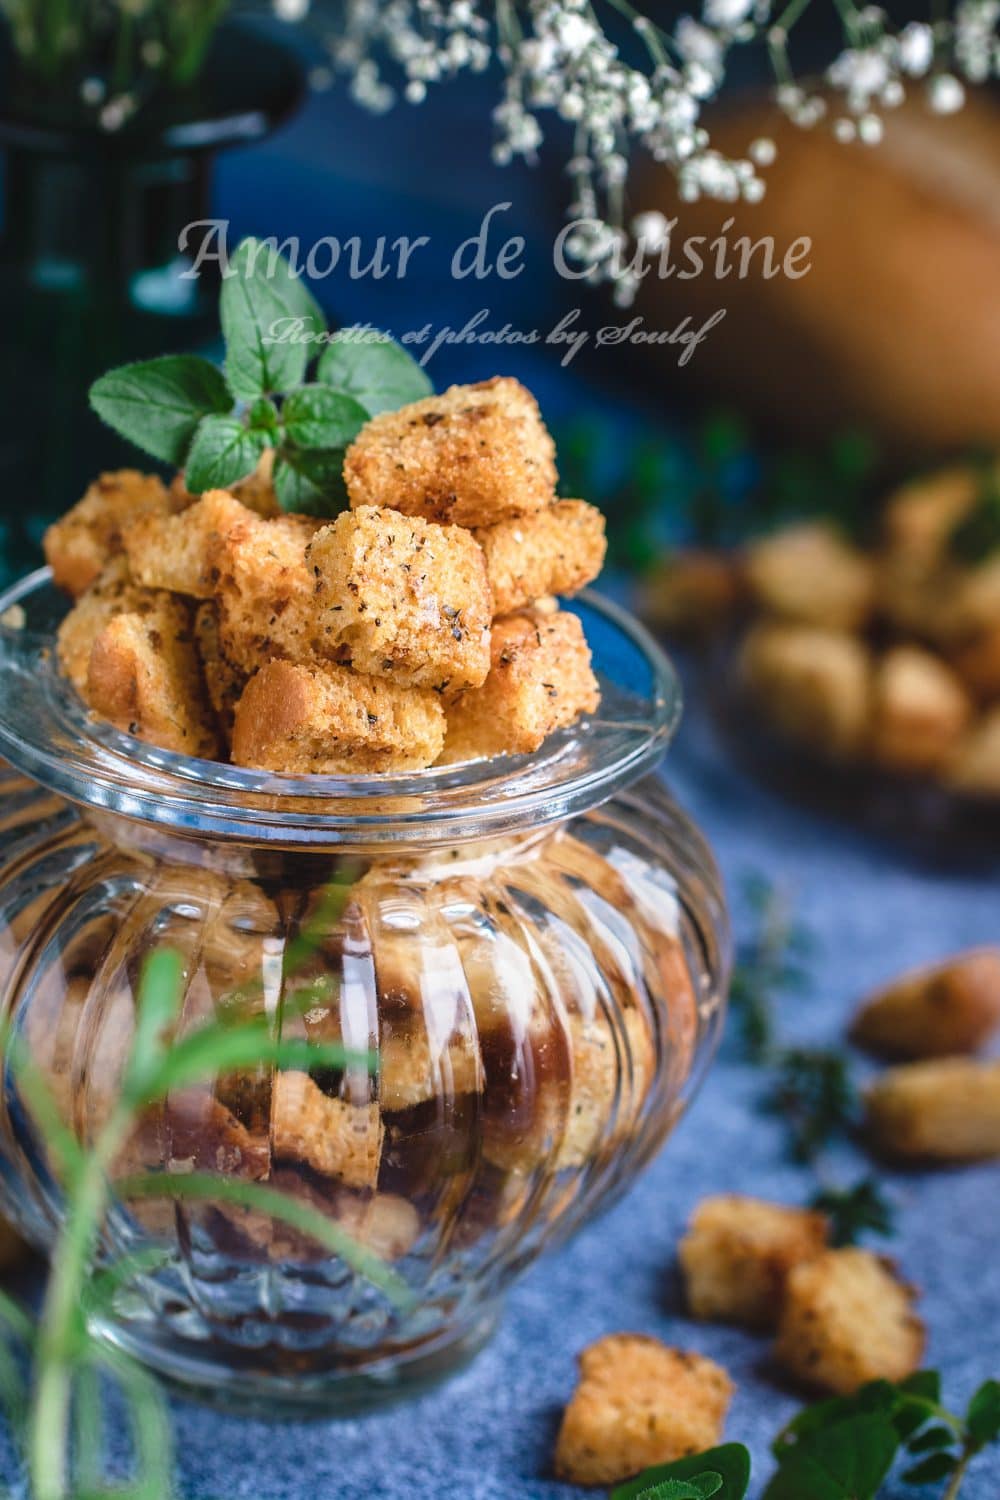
x,y
473,456
265,590
334,1137
145,678
177,552
256,492
737,1253
948,1007
945,1110
400,597
919,519
80,544
554,551
610,1076
809,574
813,685
972,605
639,1403
540,680
977,662
692,593
975,768
223,682
920,711
327,720
847,1318
113,592
411,1072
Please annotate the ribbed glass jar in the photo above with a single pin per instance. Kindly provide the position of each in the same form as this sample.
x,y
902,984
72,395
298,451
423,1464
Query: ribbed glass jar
x,y
535,951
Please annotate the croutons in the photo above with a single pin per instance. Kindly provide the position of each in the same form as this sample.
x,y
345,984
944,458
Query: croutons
x,y
737,1253
335,1137
944,1110
950,1007
144,677
79,546
265,590
113,593
554,551
975,768
401,597
846,1319
809,574
540,679
813,685
692,593
224,683
977,662
919,518
177,552
639,1403
920,711
473,456
327,720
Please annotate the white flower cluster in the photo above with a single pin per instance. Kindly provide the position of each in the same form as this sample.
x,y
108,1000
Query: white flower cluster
x,y
559,56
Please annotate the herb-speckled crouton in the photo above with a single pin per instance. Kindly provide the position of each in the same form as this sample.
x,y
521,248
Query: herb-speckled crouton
x,y
472,456
808,574
79,546
540,679
813,684
265,590
328,720
114,592
847,1318
554,551
920,711
401,597
639,1403
945,1110
335,1137
737,1254
144,677
946,1008
178,552
223,682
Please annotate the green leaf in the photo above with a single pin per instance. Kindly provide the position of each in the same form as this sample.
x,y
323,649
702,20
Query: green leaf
x,y
983,1416
310,481
730,1463
368,365
846,1461
158,403
923,1383
161,991
317,417
256,317
853,1210
294,292
930,1470
223,451
930,1439
262,416
211,1051
683,1489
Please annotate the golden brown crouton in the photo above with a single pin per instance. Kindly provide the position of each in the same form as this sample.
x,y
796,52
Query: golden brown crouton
x,y
265,590
919,518
114,592
400,597
975,768
553,551
847,1319
945,1008
411,1072
78,546
639,1403
178,552
692,593
737,1254
223,682
809,574
473,456
326,720
813,685
977,662
945,1110
333,1136
920,711
540,680
256,492
144,677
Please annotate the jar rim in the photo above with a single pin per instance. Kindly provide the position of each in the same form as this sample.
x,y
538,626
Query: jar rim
x,y
47,733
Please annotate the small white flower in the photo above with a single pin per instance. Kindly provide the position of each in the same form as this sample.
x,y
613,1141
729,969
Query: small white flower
x,y
763,151
652,230
946,94
916,48
291,10
575,33
870,130
727,14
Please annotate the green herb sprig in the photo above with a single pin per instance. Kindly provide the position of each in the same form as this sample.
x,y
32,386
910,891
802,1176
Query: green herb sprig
x,y
216,424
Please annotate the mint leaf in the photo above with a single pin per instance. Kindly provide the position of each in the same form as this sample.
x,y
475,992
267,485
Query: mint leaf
x,y
845,1461
367,365
158,403
929,1470
263,416
294,291
310,482
683,1489
983,1417
223,451
262,353
730,1464
931,1439
317,417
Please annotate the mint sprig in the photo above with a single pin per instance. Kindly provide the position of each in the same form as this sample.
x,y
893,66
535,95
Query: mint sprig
x,y
215,425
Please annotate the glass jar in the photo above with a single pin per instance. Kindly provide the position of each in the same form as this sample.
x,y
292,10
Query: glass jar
x,y
535,950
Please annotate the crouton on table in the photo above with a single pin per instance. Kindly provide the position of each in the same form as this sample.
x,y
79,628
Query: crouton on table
x,y
944,1110
553,551
813,685
80,544
327,720
846,1319
807,573
473,456
975,768
737,1253
401,597
920,711
945,1008
540,679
